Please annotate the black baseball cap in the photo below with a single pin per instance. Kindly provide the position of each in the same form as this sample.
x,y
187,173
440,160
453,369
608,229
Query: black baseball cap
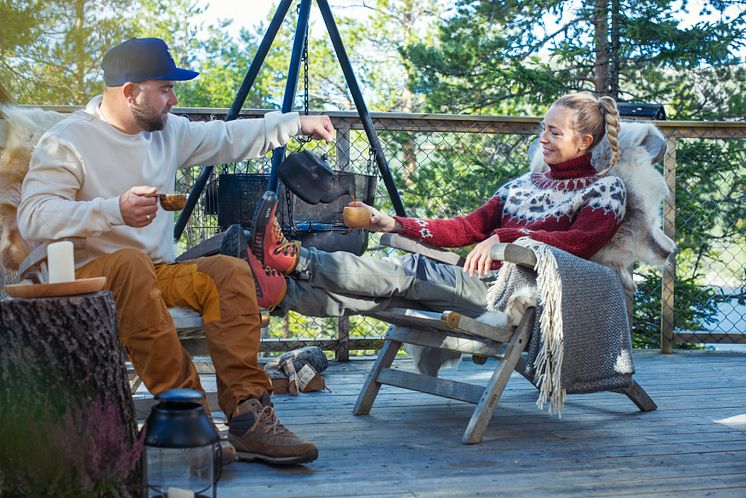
x,y
141,59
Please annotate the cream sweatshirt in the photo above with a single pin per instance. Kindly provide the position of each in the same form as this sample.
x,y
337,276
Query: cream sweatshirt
x,y
83,164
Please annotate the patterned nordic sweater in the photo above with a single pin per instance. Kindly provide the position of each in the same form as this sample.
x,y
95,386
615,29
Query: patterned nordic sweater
x,y
568,207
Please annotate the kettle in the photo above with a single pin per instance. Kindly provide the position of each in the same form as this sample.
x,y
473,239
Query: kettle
x,y
310,178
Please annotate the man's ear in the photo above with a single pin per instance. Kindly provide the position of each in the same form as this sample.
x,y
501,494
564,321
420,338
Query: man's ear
x,y
130,91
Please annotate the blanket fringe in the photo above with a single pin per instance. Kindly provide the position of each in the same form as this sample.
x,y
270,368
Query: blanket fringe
x,y
548,363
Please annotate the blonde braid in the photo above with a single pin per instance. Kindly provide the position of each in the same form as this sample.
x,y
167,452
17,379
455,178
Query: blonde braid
x,y
611,117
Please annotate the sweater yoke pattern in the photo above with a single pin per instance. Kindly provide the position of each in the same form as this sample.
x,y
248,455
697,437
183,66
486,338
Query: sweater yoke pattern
x,y
534,197
569,207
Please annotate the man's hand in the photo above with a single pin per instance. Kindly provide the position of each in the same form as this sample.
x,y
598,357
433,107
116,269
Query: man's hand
x,y
138,206
317,127
479,259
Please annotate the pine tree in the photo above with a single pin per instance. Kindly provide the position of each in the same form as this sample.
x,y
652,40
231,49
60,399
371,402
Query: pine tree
x,y
517,56
52,49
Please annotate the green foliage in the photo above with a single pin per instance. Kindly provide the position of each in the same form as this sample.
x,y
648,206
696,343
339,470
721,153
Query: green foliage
x,y
695,307
54,48
511,55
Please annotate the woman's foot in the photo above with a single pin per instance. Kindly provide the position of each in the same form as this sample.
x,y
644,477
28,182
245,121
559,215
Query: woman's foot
x,y
268,243
270,284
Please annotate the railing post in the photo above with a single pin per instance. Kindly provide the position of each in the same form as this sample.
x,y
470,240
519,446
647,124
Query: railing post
x,y
342,147
669,228
343,323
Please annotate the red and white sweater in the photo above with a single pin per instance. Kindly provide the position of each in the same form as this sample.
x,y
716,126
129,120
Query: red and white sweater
x,y
569,207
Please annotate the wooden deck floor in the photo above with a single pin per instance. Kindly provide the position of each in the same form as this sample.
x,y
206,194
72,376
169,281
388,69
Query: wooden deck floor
x,y
410,444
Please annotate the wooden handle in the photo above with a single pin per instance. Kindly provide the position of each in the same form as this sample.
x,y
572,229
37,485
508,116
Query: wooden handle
x,y
451,318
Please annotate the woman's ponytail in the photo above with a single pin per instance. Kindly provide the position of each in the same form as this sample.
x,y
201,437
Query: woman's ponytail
x,y
611,118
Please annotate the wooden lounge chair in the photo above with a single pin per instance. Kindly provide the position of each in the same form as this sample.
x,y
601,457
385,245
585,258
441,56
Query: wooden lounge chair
x,y
641,145
456,332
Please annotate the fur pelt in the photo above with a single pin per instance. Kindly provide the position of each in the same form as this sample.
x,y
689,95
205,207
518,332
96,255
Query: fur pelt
x,y
640,237
20,130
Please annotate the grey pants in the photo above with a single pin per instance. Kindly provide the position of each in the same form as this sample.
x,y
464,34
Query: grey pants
x,y
341,283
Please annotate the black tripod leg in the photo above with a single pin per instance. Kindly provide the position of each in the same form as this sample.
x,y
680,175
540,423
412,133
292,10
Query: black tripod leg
x,y
238,101
362,109
291,85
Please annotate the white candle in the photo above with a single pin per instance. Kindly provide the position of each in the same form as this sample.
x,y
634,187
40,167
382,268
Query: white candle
x,y
61,262
180,493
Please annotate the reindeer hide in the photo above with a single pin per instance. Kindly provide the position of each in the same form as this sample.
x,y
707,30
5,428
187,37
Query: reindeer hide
x,y
640,237
20,130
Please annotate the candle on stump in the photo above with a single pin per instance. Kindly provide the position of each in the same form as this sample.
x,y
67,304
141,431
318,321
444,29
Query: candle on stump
x,y
61,262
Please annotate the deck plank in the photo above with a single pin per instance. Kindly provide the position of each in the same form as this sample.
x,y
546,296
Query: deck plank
x,y
410,444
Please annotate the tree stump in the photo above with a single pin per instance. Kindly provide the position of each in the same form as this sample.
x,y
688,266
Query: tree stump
x,y
67,420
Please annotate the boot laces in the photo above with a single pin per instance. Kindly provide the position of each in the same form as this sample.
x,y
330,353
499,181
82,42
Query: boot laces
x,y
287,247
269,418
271,272
284,246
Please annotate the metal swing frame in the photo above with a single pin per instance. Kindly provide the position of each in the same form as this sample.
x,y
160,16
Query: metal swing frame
x,y
278,155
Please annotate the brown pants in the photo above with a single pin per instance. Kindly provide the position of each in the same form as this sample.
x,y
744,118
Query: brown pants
x,y
221,288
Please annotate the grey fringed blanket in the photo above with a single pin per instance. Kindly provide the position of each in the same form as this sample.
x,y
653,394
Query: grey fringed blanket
x,y
581,340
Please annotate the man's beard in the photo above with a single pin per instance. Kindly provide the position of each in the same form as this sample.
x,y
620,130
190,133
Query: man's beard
x,y
147,118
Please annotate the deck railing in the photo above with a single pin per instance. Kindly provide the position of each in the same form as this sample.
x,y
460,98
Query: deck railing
x,y
446,165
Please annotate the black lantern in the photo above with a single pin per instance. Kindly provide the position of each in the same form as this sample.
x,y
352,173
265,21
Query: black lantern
x,y
182,447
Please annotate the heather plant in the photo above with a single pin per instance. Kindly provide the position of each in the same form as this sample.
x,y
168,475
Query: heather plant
x,y
52,446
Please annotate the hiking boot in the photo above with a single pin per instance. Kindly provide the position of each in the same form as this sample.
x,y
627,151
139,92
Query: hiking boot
x,y
268,243
200,459
234,242
270,284
257,435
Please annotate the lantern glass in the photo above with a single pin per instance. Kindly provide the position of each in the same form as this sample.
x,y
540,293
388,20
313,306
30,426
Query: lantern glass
x,y
182,447
181,472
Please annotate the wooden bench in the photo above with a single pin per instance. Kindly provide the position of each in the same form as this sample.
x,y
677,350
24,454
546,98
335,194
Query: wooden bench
x,y
188,323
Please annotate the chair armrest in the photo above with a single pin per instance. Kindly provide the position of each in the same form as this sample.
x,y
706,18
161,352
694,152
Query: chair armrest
x,y
513,253
30,267
397,241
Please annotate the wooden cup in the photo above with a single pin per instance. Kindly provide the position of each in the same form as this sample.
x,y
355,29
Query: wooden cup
x,y
356,216
172,202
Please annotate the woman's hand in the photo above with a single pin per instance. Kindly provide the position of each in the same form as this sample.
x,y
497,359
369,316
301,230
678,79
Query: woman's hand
x,y
379,222
479,259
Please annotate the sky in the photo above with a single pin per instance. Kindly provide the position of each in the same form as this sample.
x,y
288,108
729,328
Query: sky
x,y
249,13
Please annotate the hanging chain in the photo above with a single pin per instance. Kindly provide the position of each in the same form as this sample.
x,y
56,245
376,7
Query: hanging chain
x,y
291,222
305,74
304,58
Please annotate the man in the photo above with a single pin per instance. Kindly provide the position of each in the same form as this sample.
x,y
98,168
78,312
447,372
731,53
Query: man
x,y
95,175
